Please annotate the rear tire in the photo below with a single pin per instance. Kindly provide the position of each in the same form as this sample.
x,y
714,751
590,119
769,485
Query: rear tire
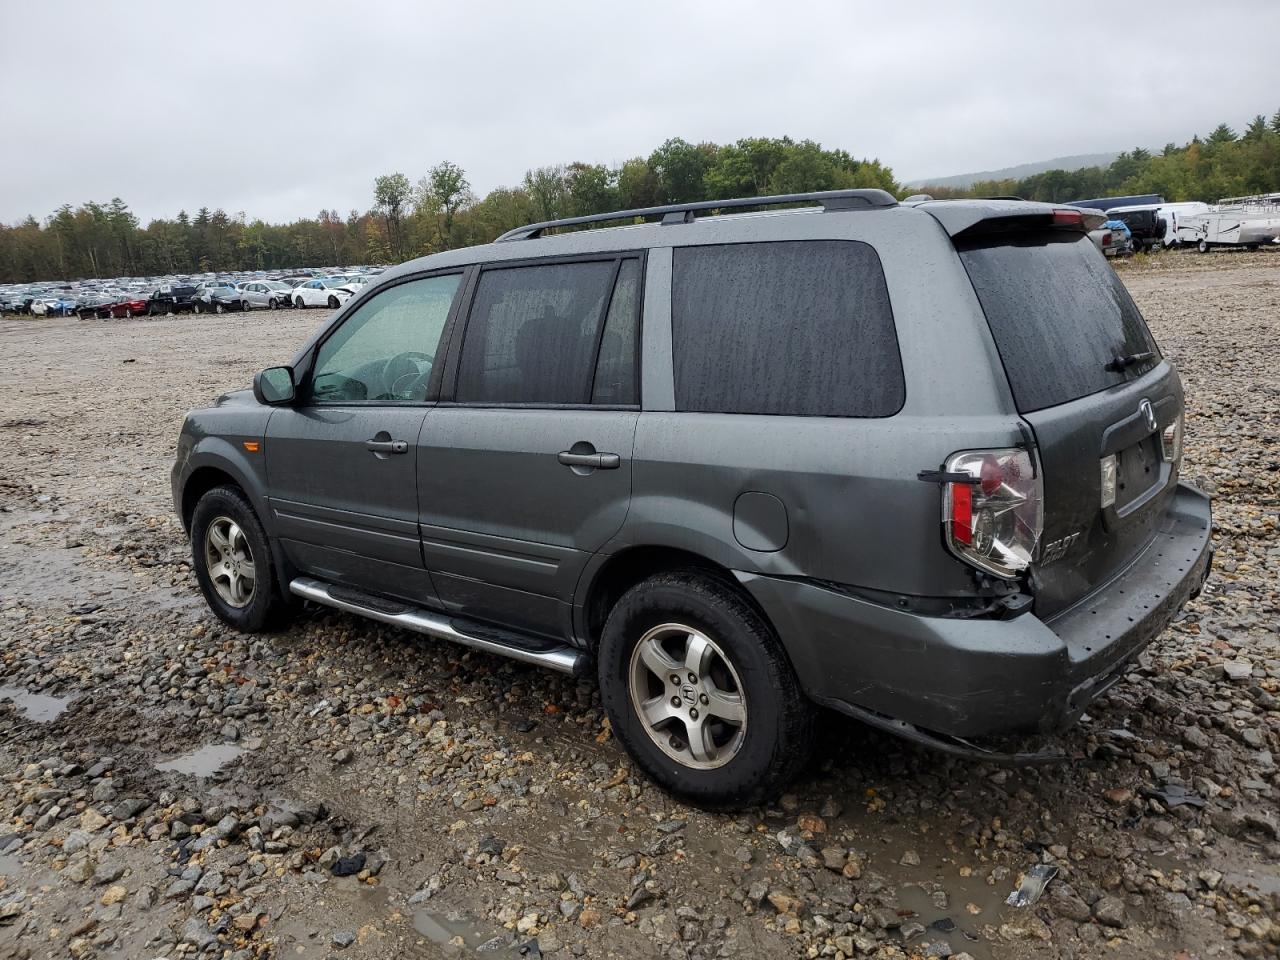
x,y
724,719
197,309
227,509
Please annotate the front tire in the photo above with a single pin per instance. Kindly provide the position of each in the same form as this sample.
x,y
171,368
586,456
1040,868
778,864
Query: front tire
x,y
298,303
700,692
232,559
333,303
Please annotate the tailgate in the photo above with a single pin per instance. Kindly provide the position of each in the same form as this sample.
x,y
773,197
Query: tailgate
x,y
1085,544
1087,376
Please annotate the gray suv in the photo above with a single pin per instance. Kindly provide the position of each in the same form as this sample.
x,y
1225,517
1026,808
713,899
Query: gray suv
x,y
913,462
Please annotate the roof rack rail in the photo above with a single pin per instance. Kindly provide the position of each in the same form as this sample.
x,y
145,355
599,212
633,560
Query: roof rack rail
x,y
685,212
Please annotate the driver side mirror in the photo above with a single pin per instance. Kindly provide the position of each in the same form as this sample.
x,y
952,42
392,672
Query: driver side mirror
x,y
274,386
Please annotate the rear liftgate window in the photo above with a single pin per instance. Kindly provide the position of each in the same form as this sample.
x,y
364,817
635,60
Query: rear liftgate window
x,y
788,328
1059,316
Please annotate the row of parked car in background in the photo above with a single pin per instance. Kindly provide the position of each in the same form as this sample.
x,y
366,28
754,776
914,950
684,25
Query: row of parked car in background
x,y
1133,224
1142,223
207,293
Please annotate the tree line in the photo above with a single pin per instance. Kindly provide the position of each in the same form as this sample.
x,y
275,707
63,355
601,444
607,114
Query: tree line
x,y
440,211
407,219
1222,164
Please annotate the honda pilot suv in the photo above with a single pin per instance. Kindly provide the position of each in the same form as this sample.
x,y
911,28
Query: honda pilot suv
x,y
917,463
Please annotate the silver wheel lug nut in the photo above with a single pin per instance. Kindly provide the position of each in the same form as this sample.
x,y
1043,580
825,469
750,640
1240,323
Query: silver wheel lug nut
x,y
705,699
693,678
675,701
675,680
693,713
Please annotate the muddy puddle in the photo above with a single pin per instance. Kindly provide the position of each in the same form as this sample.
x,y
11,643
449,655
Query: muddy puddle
x,y
204,762
452,929
35,706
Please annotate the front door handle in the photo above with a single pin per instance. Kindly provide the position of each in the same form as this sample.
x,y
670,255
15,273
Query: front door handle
x,y
386,446
597,461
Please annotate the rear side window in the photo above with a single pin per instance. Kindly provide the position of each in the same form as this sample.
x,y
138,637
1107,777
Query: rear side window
x,y
533,332
800,328
1059,316
617,369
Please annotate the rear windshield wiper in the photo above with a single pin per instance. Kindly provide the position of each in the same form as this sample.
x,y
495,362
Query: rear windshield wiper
x,y
1122,363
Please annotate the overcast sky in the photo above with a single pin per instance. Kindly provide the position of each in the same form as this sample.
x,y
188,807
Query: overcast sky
x,y
280,108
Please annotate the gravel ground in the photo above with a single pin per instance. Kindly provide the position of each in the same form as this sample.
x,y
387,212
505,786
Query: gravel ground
x,y
171,788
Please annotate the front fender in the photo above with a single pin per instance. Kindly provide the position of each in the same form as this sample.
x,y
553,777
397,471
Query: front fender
x,y
229,439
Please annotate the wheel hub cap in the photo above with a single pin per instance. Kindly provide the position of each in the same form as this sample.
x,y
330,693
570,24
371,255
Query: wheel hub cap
x,y
229,562
688,697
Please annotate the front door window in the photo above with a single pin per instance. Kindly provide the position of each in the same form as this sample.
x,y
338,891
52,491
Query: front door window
x,y
385,351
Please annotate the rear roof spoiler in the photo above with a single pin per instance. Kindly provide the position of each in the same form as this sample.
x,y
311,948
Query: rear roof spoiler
x,y
959,217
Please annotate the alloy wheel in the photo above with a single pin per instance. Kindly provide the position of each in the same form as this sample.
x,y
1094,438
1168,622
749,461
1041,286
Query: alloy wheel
x,y
687,695
229,562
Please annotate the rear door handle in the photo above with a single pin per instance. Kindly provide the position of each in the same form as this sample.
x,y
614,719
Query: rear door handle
x,y
387,446
599,461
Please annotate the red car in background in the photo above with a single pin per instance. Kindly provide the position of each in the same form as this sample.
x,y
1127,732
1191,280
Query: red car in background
x,y
130,306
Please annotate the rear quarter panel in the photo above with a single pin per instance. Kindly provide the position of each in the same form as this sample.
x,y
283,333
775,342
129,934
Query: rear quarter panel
x,y
856,513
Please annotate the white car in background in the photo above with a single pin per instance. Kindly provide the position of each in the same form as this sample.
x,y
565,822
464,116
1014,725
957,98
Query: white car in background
x,y
323,292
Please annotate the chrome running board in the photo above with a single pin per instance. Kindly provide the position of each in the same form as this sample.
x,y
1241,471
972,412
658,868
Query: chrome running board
x,y
541,653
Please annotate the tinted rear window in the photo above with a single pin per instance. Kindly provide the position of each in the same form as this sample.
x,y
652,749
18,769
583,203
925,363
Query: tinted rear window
x,y
788,328
1059,315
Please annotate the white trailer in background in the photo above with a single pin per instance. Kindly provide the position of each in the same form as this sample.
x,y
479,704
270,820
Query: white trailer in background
x,y
1172,214
1236,222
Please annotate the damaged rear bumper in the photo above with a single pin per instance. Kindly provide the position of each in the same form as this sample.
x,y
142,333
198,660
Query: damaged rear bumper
x,y
939,679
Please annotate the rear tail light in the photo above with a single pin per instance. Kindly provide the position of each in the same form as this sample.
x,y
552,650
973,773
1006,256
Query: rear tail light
x,y
1108,480
1106,239
1171,441
994,521
1068,218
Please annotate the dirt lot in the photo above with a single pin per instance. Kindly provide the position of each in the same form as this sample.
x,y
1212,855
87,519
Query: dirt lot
x,y
357,791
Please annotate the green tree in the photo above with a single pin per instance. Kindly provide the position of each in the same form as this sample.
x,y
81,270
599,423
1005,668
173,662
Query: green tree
x,y
441,193
391,195
1222,134
1257,129
549,192
638,185
680,167
592,188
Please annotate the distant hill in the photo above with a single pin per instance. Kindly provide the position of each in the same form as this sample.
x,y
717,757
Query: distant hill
x,y
962,180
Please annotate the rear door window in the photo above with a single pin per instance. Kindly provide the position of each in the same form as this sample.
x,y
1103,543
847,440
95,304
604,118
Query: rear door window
x,y
801,328
1059,316
533,332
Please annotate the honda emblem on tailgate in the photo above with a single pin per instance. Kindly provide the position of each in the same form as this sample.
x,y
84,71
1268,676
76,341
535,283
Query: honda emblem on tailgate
x,y
1149,412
